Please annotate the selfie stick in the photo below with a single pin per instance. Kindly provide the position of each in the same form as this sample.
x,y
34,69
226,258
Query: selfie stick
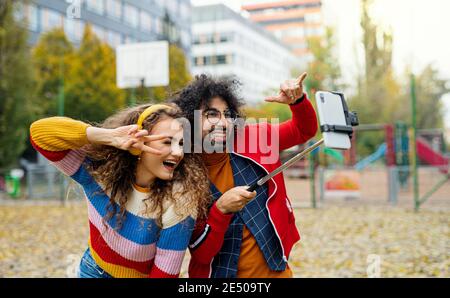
x,y
351,119
284,166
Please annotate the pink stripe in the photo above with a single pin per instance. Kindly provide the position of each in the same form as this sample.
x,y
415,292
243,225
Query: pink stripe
x,y
169,261
124,247
70,164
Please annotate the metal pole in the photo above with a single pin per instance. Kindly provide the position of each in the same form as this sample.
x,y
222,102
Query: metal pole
x,y
312,182
61,90
133,97
61,101
414,145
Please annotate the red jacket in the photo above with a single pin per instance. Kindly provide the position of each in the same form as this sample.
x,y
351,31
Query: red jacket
x,y
210,233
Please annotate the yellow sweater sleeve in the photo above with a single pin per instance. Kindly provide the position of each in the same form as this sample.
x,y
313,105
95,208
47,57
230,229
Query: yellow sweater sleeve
x,y
59,133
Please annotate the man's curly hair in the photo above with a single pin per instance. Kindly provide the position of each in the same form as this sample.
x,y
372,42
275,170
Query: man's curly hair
x,y
202,89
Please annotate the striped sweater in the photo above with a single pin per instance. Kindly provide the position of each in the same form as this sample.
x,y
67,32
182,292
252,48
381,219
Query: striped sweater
x,y
140,248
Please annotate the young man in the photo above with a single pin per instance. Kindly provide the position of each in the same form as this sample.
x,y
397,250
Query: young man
x,y
246,234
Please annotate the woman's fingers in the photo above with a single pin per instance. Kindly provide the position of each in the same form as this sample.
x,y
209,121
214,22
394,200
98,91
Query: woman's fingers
x,y
127,145
141,133
132,129
152,138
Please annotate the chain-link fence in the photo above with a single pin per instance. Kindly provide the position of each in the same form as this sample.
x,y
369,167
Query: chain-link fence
x,y
41,181
380,185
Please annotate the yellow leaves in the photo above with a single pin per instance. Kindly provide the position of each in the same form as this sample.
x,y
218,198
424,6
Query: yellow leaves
x,y
336,242
37,239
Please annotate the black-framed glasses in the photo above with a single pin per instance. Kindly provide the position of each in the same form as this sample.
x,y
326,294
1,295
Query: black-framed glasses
x,y
214,116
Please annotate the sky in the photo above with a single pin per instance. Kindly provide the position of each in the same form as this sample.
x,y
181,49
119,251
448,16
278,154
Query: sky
x,y
420,32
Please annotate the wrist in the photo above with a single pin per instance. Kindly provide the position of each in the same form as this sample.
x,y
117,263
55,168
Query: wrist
x,y
100,136
220,207
298,100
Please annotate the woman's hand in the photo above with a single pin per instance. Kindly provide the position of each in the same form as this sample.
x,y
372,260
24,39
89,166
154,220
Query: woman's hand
x,y
124,138
235,199
290,91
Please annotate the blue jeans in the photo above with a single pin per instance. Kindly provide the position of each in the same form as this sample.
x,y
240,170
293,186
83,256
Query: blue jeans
x,y
90,269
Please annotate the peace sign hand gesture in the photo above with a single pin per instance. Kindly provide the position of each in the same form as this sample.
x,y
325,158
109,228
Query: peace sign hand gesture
x,y
124,138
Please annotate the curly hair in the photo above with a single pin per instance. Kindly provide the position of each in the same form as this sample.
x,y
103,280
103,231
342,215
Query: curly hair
x,y
115,170
203,89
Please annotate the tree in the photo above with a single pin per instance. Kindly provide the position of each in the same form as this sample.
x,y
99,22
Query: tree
x,y
430,88
92,93
379,98
16,85
323,70
53,58
269,111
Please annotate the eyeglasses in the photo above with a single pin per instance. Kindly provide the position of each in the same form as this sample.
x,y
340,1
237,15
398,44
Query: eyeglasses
x,y
214,116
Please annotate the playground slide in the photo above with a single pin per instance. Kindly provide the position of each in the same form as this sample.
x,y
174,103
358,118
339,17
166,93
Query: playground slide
x,y
379,153
431,157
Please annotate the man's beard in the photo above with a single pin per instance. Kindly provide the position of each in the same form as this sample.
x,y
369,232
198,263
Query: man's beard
x,y
220,146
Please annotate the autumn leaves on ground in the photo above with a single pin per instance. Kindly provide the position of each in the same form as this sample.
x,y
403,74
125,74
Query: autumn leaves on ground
x,y
47,240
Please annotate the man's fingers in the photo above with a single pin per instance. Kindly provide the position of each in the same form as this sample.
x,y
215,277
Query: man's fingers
x,y
246,194
298,93
272,99
301,78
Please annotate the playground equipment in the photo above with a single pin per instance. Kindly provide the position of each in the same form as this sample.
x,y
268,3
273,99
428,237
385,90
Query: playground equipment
x,y
425,152
10,183
404,148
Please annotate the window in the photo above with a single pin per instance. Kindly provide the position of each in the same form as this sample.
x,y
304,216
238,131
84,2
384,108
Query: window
x,y
214,60
114,8
221,59
199,61
185,11
146,22
158,26
113,38
74,28
32,15
129,39
51,19
313,17
131,15
185,38
97,6
213,38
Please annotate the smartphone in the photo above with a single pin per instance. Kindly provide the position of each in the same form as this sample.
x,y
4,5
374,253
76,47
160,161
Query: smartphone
x,y
331,112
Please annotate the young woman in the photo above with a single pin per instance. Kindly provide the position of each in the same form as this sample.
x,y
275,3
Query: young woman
x,y
142,200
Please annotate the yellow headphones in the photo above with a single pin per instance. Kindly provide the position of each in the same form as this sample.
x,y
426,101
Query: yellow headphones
x,y
146,113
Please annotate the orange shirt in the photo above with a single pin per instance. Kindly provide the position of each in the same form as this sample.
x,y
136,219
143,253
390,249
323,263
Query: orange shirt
x,y
251,260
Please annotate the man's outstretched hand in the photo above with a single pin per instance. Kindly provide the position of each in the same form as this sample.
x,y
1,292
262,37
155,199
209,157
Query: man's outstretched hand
x,y
290,91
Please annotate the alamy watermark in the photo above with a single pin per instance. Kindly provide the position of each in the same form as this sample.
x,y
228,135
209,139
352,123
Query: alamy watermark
x,y
373,266
241,135
73,11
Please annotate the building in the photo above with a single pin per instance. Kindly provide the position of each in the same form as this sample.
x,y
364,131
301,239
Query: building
x,y
225,43
114,21
291,21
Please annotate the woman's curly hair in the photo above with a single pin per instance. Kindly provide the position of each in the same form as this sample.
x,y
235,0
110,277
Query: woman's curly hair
x,y
115,170
202,89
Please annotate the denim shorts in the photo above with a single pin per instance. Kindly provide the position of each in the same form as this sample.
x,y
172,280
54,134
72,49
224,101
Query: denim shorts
x,y
89,268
